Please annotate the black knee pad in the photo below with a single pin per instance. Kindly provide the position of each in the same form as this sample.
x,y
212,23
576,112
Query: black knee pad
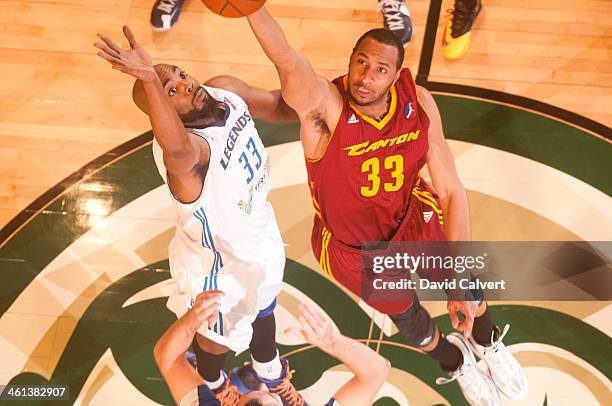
x,y
415,325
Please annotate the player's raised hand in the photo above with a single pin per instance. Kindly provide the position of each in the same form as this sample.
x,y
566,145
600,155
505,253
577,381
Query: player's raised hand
x,y
315,328
205,309
134,61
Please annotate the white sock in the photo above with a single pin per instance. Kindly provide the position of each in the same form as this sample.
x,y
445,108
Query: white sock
x,y
216,384
268,370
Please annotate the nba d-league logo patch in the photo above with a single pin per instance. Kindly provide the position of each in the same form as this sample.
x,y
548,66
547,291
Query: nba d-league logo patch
x,y
408,110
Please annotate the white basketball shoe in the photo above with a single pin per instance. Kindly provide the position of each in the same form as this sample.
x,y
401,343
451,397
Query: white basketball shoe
x,y
506,372
478,389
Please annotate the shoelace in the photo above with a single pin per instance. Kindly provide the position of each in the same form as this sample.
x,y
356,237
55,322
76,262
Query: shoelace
x,y
502,368
463,18
391,12
229,396
166,5
287,391
501,336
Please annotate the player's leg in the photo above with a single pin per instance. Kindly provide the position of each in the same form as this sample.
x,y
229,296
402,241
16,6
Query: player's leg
x,y
452,353
486,342
266,366
210,359
264,354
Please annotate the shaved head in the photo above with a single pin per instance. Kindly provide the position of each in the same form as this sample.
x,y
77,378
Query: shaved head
x,y
162,70
139,97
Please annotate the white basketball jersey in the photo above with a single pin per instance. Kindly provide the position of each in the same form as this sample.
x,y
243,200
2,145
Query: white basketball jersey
x,y
232,215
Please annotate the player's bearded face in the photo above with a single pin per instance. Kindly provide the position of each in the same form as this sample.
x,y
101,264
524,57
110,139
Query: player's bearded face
x,y
201,109
194,105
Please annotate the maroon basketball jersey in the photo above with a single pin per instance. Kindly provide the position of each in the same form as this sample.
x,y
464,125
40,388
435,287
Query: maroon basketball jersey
x,y
362,185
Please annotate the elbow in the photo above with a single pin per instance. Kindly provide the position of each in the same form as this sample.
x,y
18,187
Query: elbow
x,y
384,370
180,153
379,371
158,355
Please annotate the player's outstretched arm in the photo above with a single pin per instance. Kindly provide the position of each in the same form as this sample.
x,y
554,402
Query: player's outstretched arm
x,y
444,177
181,152
302,88
170,350
370,369
263,104
453,199
316,101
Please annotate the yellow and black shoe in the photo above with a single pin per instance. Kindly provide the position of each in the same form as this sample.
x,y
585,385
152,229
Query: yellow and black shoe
x,y
457,32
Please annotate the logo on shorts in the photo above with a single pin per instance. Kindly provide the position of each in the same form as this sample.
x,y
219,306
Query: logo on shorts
x,y
353,119
427,215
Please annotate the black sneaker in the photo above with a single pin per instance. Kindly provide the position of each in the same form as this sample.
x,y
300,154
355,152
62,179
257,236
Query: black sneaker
x,y
463,17
397,18
165,14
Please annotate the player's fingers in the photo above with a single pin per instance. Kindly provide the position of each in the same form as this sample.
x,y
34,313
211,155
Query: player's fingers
x,y
452,312
318,316
207,304
308,329
120,68
108,57
209,308
212,318
315,315
312,322
208,295
130,36
310,311
109,42
106,49
212,292
467,325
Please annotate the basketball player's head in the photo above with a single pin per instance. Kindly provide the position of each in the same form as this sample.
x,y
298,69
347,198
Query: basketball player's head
x,y
374,66
260,398
192,103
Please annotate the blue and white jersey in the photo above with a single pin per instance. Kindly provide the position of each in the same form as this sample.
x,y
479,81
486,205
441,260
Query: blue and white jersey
x,y
233,212
228,238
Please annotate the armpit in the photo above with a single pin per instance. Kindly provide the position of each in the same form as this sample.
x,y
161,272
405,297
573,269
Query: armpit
x,y
316,119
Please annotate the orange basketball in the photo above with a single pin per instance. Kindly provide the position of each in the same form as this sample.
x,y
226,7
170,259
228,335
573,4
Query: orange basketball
x,y
233,8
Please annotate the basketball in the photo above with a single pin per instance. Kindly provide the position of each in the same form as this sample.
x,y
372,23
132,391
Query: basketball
x,y
233,8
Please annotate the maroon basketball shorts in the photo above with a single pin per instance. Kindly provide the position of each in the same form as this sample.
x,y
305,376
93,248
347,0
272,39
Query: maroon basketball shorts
x,y
423,222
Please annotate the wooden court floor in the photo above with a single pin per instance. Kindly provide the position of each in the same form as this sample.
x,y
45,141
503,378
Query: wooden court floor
x,y
61,107
527,112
